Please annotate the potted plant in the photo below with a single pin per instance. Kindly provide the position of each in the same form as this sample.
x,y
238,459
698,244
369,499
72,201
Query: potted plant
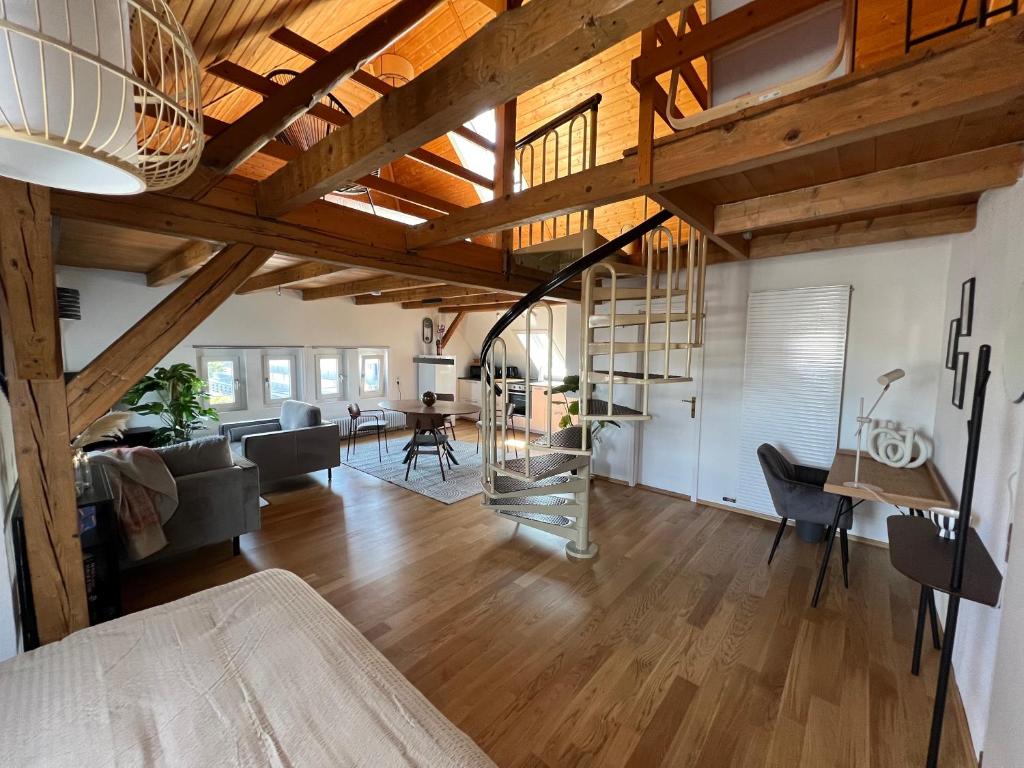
x,y
572,384
180,397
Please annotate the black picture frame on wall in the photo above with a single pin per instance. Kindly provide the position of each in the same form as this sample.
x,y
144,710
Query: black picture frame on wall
x,y
960,380
967,307
953,344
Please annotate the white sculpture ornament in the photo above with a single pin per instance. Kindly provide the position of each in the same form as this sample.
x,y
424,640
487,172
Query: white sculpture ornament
x,y
900,447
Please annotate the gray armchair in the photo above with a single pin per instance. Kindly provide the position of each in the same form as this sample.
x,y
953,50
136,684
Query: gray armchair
x,y
218,497
294,444
798,493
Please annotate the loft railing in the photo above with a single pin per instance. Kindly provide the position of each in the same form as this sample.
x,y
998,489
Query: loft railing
x,y
563,146
963,21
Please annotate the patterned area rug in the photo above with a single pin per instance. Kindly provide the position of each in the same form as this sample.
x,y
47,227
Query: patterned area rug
x,y
461,481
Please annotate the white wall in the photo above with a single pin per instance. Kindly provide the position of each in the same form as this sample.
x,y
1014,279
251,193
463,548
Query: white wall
x,y
991,253
9,639
113,301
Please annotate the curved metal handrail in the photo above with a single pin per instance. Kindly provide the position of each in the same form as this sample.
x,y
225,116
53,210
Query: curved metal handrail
x,y
563,276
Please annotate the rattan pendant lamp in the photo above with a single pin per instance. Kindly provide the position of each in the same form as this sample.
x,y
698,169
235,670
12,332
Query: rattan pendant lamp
x,y
97,96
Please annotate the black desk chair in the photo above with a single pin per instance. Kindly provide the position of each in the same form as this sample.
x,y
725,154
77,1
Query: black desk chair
x,y
798,493
363,422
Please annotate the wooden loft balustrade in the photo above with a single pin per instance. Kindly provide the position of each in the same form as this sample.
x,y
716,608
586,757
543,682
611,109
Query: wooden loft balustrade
x,y
862,139
984,14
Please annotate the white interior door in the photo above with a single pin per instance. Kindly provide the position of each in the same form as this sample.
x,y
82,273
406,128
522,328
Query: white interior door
x,y
670,441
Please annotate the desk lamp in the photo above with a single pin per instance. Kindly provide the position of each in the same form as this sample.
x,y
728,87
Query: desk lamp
x,y
886,380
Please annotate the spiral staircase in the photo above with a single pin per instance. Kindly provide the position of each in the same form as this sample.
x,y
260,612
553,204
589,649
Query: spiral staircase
x,y
639,325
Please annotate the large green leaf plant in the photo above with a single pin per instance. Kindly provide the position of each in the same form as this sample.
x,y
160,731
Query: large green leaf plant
x,y
572,384
180,402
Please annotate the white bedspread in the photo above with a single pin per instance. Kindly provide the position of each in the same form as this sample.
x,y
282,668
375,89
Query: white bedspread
x,y
259,672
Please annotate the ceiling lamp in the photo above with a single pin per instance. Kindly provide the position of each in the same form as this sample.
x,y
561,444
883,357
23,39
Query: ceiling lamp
x,y
97,96
394,70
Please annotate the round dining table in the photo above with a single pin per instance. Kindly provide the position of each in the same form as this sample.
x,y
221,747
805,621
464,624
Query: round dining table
x,y
429,419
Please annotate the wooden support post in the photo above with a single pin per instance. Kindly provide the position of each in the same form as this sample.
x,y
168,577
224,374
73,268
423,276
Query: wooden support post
x,y
645,131
39,413
102,383
505,155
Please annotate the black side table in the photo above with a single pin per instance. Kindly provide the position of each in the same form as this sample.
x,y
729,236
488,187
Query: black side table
x,y
98,534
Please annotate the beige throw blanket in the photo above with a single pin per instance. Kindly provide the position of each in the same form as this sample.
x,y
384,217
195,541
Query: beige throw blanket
x,y
145,497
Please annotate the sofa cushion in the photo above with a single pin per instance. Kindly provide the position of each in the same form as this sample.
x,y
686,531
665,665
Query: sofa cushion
x,y
200,455
296,415
235,434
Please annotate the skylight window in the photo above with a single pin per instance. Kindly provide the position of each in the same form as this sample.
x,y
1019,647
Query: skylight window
x,y
473,156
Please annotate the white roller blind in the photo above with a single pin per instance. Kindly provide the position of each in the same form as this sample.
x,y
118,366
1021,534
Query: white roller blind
x,y
792,381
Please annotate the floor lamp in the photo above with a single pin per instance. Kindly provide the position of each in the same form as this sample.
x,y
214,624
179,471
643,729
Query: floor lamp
x,y
886,380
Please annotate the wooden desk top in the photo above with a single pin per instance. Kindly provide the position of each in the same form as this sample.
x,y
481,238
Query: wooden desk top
x,y
919,488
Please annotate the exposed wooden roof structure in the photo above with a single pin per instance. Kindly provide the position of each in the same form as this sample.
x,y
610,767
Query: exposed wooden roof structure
x,y
901,147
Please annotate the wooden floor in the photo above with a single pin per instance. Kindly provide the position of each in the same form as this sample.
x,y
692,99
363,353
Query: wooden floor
x,y
677,646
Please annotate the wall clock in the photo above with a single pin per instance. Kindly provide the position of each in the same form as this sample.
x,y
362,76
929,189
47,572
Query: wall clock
x,y
428,330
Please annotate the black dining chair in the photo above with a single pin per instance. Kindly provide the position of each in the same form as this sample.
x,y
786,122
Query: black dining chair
x,y
363,423
798,493
449,421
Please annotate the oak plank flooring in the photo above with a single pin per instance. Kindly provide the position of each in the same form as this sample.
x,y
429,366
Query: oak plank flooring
x,y
677,646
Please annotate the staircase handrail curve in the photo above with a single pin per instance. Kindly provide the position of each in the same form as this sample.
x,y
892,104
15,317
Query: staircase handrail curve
x,y
559,120
566,274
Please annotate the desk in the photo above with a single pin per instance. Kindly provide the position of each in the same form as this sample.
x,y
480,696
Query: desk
x,y
918,489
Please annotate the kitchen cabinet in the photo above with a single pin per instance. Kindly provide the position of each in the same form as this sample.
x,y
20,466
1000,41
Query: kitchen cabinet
x,y
469,392
539,406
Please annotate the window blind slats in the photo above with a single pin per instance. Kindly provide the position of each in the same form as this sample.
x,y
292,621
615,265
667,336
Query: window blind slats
x,y
792,381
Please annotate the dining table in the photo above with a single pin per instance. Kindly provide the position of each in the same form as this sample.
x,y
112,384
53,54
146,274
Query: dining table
x,y
429,419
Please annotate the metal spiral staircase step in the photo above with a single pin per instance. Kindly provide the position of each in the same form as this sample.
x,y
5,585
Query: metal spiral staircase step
x,y
634,377
598,407
639,318
568,438
543,466
513,485
555,521
530,501
604,347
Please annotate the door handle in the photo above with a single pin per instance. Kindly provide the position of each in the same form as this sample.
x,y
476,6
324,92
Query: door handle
x,y
693,406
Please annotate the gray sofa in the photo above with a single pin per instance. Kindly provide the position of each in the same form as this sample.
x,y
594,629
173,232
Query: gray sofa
x,y
218,497
295,443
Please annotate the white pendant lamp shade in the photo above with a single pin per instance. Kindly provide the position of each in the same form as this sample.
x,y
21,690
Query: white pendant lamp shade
x,y
97,96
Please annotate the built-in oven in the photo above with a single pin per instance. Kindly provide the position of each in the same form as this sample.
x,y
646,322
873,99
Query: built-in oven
x,y
517,397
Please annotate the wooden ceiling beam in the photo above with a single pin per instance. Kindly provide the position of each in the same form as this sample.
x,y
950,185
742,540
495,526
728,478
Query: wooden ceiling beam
x,y
449,332
969,173
320,232
459,299
979,74
358,287
490,307
281,151
191,256
103,382
300,45
282,107
518,50
434,294
869,231
252,81
697,211
296,273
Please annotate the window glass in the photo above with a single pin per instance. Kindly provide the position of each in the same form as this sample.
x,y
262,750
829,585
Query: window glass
x,y
221,380
279,377
328,376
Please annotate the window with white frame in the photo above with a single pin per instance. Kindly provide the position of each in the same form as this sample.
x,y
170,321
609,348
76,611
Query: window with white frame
x,y
280,376
328,375
223,371
372,373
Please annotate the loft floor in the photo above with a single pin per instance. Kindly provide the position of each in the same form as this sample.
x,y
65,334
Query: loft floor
x,y
677,646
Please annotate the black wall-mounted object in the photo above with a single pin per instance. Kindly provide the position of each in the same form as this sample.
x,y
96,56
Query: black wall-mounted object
x,y
428,330
960,327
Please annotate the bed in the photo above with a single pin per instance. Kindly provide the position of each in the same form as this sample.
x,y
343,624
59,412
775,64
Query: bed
x,y
258,672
